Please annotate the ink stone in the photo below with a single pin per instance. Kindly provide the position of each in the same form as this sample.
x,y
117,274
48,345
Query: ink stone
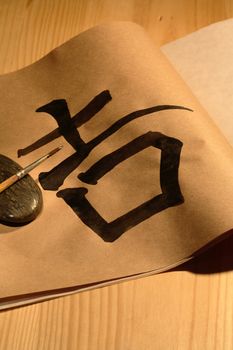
x,y
21,202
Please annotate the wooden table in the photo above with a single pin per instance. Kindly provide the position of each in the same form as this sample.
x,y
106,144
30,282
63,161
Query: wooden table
x,y
190,309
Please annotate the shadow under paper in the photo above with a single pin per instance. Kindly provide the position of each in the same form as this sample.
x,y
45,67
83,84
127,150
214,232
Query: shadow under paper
x,y
217,258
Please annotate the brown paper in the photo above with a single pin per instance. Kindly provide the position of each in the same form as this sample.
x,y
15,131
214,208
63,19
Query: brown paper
x,y
150,209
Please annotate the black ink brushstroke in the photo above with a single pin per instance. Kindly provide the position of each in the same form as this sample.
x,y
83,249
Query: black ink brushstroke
x,y
130,117
108,162
83,116
54,178
171,194
59,110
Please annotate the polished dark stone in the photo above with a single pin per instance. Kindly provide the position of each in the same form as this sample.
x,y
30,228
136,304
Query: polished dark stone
x,y
21,202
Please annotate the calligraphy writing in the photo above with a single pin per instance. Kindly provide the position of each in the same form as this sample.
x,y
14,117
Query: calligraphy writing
x,y
75,197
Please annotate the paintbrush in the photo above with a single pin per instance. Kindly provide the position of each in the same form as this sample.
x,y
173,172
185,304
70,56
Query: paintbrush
x,y
21,173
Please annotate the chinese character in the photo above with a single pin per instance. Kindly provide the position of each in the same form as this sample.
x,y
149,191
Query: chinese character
x,y
75,197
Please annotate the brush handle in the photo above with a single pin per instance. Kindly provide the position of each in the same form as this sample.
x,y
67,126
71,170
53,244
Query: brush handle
x,y
8,182
21,173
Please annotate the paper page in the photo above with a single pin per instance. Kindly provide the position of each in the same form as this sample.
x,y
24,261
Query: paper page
x,y
148,195
204,60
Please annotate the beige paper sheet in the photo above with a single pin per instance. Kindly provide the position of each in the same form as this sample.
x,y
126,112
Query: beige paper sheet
x,y
58,250
204,60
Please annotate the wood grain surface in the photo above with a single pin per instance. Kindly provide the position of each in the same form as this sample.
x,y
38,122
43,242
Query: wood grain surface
x,y
190,309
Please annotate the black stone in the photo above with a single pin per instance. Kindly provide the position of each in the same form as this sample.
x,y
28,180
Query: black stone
x,y
21,202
